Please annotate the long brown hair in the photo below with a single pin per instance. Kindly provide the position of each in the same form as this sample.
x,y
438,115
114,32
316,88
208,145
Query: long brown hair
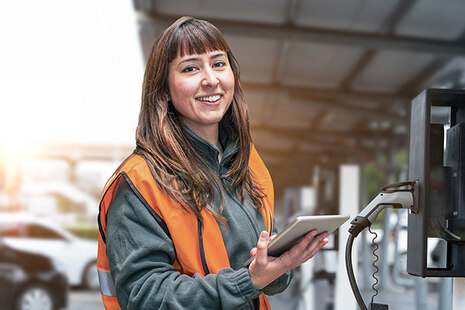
x,y
161,139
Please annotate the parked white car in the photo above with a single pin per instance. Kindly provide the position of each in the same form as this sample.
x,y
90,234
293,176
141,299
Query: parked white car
x,y
77,257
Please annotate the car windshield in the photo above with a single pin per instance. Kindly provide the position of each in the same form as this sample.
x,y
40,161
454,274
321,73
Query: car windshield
x,y
36,231
11,230
28,230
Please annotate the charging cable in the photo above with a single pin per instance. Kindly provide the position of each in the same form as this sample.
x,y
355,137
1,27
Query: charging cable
x,y
398,196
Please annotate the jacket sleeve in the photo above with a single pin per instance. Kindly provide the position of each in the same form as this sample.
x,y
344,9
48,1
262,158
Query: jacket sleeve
x,y
141,256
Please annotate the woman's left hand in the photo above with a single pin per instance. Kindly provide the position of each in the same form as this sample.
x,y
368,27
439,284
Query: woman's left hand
x,y
265,269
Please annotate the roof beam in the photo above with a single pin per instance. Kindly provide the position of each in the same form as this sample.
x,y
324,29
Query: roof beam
x,y
306,34
334,143
417,83
338,99
359,66
290,157
291,11
402,8
357,133
328,93
355,111
387,28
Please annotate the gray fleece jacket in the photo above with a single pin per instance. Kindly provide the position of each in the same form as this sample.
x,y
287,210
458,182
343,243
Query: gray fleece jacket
x,y
141,253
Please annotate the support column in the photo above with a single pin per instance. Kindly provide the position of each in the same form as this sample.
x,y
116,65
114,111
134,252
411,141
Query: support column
x,y
349,203
458,302
365,250
421,293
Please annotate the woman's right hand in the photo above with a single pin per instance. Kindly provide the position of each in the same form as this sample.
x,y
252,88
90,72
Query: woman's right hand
x,y
265,269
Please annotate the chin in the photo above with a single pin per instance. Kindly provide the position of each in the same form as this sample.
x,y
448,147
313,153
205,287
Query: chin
x,y
212,119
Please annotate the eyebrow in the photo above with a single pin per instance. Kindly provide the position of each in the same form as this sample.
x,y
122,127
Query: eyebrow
x,y
217,55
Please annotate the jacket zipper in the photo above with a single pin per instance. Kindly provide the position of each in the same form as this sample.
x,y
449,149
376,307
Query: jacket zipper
x,y
202,249
236,200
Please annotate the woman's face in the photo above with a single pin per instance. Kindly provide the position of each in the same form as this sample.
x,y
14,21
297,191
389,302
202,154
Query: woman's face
x,y
201,87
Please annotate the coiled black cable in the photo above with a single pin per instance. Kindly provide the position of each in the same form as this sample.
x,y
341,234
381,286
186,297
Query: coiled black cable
x,y
375,266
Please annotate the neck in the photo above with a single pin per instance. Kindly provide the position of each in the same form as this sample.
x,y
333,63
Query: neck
x,y
209,133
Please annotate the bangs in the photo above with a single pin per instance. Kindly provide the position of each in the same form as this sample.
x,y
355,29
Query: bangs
x,y
195,37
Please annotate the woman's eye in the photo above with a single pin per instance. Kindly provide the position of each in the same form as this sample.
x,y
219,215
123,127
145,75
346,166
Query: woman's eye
x,y
189,69
219,64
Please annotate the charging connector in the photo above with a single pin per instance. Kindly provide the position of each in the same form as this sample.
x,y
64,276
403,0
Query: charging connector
x,y
375,306
397,196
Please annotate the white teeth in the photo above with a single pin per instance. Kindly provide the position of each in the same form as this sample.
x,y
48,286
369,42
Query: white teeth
x,y
209,98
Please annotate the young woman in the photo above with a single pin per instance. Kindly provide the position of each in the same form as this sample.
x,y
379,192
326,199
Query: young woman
x,y
194,201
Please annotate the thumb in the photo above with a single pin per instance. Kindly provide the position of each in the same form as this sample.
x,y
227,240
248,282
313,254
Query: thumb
x,y
262,248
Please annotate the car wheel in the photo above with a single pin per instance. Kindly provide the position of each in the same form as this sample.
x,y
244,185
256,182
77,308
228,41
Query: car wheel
x,y
35,297
90,277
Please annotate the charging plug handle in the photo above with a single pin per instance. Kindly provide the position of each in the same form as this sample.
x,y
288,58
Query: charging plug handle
x,y
391,196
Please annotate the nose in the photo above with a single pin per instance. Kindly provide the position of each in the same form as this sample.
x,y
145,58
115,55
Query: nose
x,y
210,78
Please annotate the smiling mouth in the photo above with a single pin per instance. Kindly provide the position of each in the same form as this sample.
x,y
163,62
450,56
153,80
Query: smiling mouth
x,y
209,98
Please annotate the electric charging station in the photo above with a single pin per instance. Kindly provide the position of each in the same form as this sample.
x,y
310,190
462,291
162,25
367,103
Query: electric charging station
x,y
437,161
435,194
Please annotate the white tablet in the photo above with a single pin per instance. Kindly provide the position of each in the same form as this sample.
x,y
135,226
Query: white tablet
x,y
298,228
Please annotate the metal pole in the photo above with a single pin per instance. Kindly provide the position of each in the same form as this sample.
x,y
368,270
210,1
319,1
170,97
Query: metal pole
x,y
421,293
445,294
365,252
366,255
287,203
458,299
396,279
445,284
349,203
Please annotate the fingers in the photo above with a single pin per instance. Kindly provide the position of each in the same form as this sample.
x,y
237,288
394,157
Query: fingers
x,y
304,243
262,248
254,250
316,244
264,269
308,246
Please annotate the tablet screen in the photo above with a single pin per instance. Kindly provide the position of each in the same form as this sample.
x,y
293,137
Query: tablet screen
x,y
298,228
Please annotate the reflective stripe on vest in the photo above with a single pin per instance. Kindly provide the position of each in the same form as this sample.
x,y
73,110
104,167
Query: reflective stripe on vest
x,y
107,287
179,222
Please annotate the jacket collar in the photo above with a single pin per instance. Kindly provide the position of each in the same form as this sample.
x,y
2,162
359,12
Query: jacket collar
x,y
210,152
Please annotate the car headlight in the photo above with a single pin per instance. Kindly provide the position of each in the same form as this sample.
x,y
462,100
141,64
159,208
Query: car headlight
x,y
17,274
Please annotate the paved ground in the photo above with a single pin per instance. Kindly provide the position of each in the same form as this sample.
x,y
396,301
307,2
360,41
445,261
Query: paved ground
x,y
84,300
402,299
398,299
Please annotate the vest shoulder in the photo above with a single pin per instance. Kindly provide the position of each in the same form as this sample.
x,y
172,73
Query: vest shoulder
x,y
132,162
257,165
135,167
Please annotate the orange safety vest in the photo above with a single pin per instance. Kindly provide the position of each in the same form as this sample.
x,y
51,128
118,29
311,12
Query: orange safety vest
x,y
179,222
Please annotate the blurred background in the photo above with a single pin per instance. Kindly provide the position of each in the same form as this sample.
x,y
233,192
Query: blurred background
x,y
328,86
